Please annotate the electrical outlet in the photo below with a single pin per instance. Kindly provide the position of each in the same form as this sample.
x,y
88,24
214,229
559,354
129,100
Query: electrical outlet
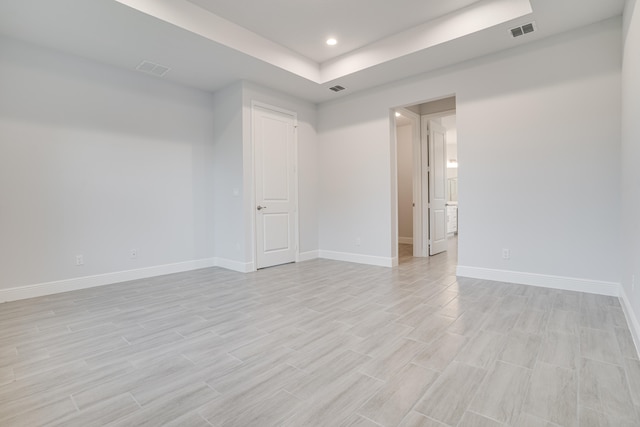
x,y
506,253
133,253
79,260
358,241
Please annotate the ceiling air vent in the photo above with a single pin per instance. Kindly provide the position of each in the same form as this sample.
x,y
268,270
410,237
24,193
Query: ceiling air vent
x,y
522,30
152,68
337,88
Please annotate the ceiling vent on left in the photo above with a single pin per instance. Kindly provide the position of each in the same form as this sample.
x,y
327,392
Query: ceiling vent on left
x,y
152,68
337,88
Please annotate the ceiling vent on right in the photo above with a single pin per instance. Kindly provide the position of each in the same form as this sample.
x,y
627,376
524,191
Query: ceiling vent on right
x,y
337,88
522,30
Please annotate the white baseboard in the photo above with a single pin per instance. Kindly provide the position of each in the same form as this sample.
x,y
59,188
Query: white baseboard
x,y
542,280
632,320
49,288
358,258
239,266
307,256
405,240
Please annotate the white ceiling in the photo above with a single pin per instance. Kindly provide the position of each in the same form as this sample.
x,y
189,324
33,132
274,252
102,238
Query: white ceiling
x,y
280,43
304,25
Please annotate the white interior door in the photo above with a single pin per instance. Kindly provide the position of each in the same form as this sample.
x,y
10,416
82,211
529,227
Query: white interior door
x,y
275,171
437,187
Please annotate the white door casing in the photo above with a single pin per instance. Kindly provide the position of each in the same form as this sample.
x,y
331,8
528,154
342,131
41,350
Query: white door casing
x,y
419,237
274,144
437,187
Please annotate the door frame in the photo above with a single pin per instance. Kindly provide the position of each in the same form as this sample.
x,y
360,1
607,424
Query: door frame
x,y
420,177
419,238
254,234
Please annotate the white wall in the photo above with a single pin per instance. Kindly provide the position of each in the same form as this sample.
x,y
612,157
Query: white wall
x,y
538,135
354,158
631,160
98,161
404,135
228,179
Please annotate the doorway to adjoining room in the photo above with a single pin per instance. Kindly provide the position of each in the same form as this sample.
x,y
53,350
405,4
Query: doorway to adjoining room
x,y
427,180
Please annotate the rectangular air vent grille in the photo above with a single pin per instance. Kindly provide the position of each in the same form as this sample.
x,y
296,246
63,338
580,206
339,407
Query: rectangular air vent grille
x,y
152,68
337,88
522,30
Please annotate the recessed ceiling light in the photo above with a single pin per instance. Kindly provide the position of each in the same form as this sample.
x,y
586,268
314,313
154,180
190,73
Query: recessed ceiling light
x,y
398,114
332,42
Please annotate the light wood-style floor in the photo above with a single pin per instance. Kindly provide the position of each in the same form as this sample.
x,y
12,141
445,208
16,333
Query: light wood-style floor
x,y
319,343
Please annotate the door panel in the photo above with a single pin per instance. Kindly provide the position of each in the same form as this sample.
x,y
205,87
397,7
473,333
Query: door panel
x,y
276,232
274,148
275,167
437,188
440,228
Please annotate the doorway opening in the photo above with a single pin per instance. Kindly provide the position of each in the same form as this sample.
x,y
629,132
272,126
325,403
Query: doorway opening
x,y
426,180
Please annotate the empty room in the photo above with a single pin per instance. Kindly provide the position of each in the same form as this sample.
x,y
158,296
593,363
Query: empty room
x,y
419,213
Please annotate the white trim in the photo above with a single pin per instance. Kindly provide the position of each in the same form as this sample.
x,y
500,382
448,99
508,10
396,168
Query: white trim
x,y
542,280
416,181
294,115
632,320
270,107
359,258
49,288
405,240
307,256
229,264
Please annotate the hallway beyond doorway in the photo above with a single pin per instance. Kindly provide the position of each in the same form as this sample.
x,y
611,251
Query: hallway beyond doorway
x,y
449,257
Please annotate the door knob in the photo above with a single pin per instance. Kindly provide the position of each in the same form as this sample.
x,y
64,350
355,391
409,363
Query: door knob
x,y
261,207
